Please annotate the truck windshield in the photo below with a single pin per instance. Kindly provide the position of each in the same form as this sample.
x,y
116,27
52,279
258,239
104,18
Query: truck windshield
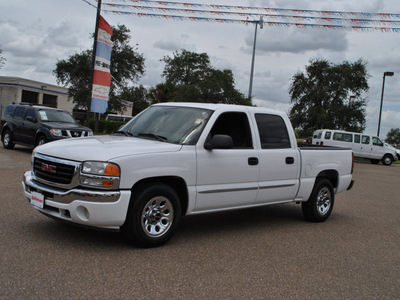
x,y
179,125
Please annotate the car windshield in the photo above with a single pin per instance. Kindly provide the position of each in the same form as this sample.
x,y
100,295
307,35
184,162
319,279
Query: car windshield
x,y
179,125
50,115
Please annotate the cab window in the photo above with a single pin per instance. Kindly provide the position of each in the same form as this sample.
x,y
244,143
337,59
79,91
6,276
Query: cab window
x,y
236,125
273,132
377,142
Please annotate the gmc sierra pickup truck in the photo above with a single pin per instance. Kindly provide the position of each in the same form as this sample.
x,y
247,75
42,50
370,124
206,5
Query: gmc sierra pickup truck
x,y
177,159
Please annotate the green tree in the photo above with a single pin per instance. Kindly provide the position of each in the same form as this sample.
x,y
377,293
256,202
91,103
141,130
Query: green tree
x,y
135,96
127,66
393,136
190,77
329,96
2,59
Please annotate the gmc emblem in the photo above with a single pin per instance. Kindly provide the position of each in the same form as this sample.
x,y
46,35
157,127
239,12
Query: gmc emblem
x,y
48,168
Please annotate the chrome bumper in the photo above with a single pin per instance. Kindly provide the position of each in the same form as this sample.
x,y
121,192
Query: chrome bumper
x,y
105,210
66,197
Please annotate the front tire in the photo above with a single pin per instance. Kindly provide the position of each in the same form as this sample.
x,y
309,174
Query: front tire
x,y
153,215
41,140
320,204
387,160
8,140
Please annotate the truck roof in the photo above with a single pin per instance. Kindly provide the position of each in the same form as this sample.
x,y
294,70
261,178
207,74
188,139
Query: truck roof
x,y
219,106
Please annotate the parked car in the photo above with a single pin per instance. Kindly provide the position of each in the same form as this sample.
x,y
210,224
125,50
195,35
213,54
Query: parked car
x,y
363,145
178,159
32,125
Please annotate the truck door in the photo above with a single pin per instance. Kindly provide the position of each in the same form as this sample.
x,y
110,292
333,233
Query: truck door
x,y
279,161
377,149
228,177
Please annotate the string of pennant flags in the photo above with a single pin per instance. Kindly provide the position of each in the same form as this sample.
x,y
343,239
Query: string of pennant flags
x,y
182,11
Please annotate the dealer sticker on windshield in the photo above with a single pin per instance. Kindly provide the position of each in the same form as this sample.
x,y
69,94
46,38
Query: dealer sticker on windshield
x,y
37,199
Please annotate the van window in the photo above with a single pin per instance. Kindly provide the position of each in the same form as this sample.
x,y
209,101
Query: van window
x,y
365,139
377,142
343,137
273,132
357,138
328,135
317,134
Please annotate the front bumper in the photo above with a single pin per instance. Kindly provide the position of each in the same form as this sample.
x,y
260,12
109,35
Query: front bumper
x,y
100,209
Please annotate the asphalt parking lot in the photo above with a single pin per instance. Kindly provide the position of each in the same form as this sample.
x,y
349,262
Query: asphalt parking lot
x,y
264,253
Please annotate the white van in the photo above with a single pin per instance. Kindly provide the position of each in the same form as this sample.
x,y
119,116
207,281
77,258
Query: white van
x,y
363,145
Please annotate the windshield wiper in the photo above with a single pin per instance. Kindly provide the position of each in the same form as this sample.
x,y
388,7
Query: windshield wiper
x,y
153,136
123,132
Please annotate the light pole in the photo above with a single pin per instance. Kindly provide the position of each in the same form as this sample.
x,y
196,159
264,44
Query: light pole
x,y
254,53
383,88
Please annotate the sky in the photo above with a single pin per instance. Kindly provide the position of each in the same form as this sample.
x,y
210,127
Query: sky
x,y
34,35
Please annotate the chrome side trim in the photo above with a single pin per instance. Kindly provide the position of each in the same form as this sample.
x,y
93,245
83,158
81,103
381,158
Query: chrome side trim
x,y
276,186
228,190
67,197
245,189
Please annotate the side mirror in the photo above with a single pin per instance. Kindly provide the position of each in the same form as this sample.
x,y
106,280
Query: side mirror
x,y
219,141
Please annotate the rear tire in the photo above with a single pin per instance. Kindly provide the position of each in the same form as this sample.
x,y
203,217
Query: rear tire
x,y
153,215
8,140
320,204
387,160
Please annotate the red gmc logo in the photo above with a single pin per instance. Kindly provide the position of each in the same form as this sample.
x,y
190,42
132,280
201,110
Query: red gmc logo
x,y
49,168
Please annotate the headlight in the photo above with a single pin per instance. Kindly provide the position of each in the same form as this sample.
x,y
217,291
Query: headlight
x,y
56,132
100,174
90,133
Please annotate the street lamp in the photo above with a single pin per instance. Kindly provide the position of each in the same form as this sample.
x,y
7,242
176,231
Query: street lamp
x,y
383,88
254,52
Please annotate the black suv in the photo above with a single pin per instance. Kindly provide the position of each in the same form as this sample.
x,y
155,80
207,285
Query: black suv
x,y
32,125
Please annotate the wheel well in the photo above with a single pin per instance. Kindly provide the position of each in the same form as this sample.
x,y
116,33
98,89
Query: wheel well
x,y
331,175
177,183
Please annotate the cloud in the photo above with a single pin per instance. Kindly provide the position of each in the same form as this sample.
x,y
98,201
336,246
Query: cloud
x,y
172,44
295,40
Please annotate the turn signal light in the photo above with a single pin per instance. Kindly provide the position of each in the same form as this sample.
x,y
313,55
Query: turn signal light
x,y
111,170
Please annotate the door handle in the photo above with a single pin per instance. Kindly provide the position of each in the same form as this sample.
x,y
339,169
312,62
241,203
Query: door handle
x,y
253,161
289,160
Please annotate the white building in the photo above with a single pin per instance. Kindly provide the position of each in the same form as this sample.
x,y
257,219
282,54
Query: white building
x,y
15,89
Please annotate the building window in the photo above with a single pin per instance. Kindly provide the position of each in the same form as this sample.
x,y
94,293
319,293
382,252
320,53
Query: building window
x,y
30,97
50,100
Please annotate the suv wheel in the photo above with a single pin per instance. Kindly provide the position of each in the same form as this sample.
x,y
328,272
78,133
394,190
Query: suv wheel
x,y
8,140
41,140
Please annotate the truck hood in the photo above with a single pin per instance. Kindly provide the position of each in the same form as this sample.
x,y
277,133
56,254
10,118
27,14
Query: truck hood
x,y
103,148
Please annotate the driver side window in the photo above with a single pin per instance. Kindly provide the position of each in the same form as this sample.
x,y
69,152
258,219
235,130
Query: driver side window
x,y
236,125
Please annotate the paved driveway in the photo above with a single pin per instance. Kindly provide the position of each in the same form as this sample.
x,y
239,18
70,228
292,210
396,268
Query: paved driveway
x,y
263,253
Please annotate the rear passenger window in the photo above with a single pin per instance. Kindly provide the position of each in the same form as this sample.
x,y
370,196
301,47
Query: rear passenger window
x,y
343,137
365,139
20,113
328,135
273,132
357,138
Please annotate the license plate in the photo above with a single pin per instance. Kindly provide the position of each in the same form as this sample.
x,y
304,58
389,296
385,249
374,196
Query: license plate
x,y
37,199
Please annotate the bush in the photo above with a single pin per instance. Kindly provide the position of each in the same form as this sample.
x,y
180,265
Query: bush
x,y
107,126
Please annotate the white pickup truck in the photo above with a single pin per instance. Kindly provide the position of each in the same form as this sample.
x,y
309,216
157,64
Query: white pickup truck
x,y
177,159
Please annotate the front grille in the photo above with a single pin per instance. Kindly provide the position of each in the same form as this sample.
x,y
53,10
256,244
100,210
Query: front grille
x,y
74,133
53,171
